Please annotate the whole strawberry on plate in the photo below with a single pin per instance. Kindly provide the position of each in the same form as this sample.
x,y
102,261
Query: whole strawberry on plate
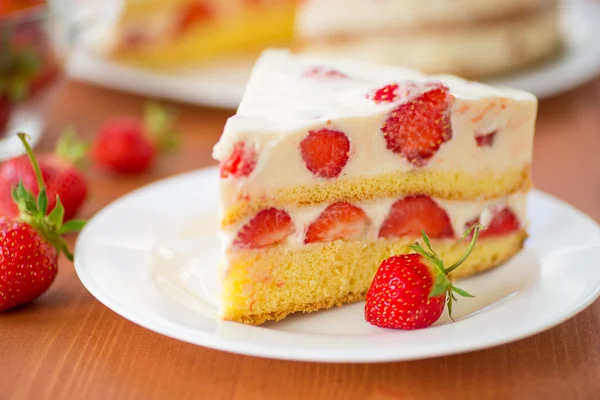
x,y
129,145
61,173
31,243
410,291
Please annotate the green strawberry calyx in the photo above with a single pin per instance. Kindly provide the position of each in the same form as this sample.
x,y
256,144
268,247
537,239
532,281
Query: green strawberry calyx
x,y
442,284
33,210
158,122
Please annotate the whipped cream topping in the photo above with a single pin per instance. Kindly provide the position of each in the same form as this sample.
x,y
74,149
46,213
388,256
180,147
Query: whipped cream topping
x,y
459,213
281,105
316,18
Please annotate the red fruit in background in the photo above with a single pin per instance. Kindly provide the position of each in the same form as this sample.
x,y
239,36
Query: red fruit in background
x,y
128,145
59,171
29,246
503,222
268,227
121,145
417,129
240,163
8,6
5,112
412,215
338,221
409,291
325,152
193,14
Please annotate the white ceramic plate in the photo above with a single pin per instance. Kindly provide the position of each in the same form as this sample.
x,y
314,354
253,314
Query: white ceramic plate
x,y
222,84
152,257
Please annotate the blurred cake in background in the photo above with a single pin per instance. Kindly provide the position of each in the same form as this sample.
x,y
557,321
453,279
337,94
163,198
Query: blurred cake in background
x,y
162,33
470,38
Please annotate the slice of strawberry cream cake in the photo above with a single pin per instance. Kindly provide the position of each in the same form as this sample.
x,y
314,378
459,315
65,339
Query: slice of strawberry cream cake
x,y
331,166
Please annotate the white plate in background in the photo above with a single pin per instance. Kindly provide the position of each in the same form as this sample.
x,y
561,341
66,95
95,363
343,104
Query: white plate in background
x,y
222,84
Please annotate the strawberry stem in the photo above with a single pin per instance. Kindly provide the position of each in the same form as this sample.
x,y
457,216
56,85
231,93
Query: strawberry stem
x,y
34,164
475,229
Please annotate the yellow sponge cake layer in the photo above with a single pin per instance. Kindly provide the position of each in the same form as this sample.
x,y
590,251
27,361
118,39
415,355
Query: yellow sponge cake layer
x,y
269,284
445,185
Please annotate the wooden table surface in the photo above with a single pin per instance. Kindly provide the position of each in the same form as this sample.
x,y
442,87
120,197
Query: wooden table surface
x,y
67,345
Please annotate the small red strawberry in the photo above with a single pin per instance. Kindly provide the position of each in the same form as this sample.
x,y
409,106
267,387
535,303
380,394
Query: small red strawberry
x,y
30,244
60,172
338,221
503,222
411,215
409,291
486,140
240,163
268,227
323,72
418,128
325,152
128,145
192,14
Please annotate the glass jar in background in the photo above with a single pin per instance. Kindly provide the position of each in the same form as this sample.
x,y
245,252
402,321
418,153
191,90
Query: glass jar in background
x,y
29,72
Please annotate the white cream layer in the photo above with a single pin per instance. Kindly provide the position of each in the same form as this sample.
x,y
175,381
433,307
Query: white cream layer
x,y
316,18
459,213
281,106
472,50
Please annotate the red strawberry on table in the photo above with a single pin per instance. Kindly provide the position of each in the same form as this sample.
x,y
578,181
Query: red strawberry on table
x,y
409,291
59,170
418,128
270,226
128,145
30,243
338,221
325,152
411,215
